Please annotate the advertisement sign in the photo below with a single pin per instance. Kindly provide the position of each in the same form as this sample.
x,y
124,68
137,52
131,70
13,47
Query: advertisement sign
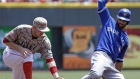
x,y
78,46
38,63
132,56
77,42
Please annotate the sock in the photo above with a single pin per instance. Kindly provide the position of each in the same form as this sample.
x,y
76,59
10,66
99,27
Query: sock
x,y
27,67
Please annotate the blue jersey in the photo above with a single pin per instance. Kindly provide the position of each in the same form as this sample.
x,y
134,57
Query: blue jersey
x,y
112,39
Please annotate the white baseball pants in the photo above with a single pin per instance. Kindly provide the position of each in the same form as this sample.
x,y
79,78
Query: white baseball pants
x,y
102,65
14,60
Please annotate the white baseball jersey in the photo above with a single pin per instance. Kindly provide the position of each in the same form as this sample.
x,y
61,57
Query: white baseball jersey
x,y
22,35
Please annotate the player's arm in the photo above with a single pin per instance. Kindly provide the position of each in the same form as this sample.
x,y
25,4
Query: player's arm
x,y
47,54
119,63
52,67
24,51
11,44
103,11
12,36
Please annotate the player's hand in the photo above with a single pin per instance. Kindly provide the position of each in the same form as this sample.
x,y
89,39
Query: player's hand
x,y
25,52
60,78
103,77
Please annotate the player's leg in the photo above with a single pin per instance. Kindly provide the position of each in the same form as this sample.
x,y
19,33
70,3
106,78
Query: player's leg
x,y
87,76
24,70
14,60
97,66
113,73
18,72
27,66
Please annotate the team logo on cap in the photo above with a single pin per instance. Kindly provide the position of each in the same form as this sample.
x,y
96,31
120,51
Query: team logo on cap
x,y
40,24
125,14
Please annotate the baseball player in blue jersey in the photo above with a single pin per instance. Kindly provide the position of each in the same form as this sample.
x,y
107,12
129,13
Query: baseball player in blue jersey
x,y
107,60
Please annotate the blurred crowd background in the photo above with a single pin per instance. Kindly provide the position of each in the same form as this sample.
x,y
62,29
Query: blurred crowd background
x,y
45,1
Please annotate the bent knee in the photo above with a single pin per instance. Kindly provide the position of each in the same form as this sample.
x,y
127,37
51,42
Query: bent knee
x,y
29,58
95,75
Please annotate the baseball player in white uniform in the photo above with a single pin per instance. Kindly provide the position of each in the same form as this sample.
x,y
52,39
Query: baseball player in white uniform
x,y
22,42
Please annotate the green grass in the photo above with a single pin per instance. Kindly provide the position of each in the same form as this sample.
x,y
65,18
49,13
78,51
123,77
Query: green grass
x,y
77,74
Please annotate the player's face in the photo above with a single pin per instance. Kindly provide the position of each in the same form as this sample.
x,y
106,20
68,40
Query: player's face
x,y
37,33
121,23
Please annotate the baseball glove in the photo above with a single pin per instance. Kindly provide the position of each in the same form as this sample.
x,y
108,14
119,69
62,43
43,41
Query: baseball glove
x,y
60,78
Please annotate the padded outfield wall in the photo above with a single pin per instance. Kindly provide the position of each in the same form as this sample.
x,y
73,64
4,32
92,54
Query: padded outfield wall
x,y
63,15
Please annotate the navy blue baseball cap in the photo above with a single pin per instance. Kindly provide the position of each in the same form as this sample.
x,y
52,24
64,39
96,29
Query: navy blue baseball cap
x,y
124,14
